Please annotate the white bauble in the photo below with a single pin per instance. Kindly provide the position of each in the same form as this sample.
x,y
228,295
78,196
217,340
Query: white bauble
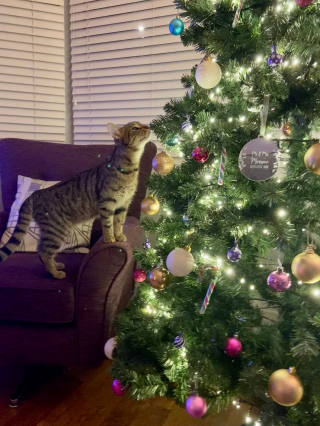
x,y
208,74
180,262
109,347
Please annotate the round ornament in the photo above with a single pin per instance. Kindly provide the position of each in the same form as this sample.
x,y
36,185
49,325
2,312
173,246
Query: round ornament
x,y
176,26
139,275
179,341
163,163
279,281
109,347
285,388
180,262
200,154
306,266
233,346
312,159
303,3
234,254
275,58
117,388
286,129
196,406
146,245
258,159
208,74
150,205
172,141
186,126
159,278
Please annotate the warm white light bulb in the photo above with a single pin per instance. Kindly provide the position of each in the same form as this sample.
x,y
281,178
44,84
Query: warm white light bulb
x,y
229,271
180,154
259,58
141,28
211,119
238,406
169,213
268,135
300,282
211,95
286,63
316,292
303,229
290,6
208,177
296,61
279,180
219,202
248,419
239,205
279,7
260,266
250,228
243,118
257,423
242,280
315,64
230,119
282,213
249,69
252,287
234,402
265,231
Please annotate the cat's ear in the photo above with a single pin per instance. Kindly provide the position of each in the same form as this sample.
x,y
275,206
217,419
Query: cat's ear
x,y
114,130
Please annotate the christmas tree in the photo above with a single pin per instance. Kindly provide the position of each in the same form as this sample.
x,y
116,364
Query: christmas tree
x,y
220,325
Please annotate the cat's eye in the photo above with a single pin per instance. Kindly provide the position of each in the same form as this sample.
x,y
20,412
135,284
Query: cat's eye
x,y
135,128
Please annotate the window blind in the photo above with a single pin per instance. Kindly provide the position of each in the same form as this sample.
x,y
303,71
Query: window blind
x,y
125,63
32,73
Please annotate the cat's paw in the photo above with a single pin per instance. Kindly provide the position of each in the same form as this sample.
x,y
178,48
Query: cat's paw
x,y
109,240
59,275
60,266
121,237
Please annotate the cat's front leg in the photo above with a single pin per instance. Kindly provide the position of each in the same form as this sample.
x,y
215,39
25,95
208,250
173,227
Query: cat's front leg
x,y
119,219
106,211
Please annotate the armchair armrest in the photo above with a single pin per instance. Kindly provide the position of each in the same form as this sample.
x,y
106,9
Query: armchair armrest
x,y
104,288
3,222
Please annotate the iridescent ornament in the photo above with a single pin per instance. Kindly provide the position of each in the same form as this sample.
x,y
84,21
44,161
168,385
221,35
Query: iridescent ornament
x,y
275,58
278,280
233,346
208,73
118,388
306,266
286,129
200,154
285,388
159,278
150,205
312,159
139,275
196,406
109,347
176,26
303,3
180,262
146,245
163,163
172,141
186,126
179,341
234,254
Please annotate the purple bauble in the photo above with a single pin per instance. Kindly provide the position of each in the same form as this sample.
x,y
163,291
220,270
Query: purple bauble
x,y
117,388
233,346
303,3
200,154
146,245
234,254
196,406
275,58
279,280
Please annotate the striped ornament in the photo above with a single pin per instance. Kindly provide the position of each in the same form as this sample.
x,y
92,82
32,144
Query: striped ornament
x,y
222,164
179,341
186,126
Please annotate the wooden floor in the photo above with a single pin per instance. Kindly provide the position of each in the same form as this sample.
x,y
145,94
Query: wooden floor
x,y
81,397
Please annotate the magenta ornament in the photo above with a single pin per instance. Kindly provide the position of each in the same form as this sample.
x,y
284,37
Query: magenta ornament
x,y
196,406
233,346
303,3
200,154
117,388
139,275
279,280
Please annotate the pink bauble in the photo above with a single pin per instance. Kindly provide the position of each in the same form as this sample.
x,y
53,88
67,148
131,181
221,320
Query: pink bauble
x,y
279,280
196,406
233,346
117,388
139,275
303,3
200,154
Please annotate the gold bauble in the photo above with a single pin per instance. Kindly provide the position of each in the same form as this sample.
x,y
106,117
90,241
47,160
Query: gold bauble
x,y
163,163
312,159
150,205
158,278
286,129
306,266
285,388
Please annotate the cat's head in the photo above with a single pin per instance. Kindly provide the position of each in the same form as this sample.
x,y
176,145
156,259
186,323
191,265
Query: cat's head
x,y
134,134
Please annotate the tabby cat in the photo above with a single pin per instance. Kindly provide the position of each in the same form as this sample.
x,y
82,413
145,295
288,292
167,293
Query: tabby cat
x,y
105,191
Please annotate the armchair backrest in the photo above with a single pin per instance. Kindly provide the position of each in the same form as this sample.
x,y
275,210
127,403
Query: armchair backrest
x,y
53,161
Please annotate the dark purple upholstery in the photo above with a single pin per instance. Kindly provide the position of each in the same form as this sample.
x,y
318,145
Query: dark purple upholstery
x,y
63,322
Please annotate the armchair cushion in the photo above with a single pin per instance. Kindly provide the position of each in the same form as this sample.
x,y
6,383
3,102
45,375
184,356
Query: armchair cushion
x,y
28,293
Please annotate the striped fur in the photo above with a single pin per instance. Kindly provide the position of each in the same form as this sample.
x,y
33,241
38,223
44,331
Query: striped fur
x,y
105,191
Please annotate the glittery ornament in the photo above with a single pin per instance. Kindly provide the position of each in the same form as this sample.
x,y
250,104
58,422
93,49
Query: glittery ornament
x,y
196,406
275,58
208,74
180,262
234,254
146,245
139,275
179,341
285,388
172,141
286,129
306,266
279,280
176,26
312,159
303,3
150,205
159,278
163,163
200,154
233,346
186,126
117,388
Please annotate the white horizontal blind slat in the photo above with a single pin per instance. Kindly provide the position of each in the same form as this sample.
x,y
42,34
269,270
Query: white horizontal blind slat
x,y
32,75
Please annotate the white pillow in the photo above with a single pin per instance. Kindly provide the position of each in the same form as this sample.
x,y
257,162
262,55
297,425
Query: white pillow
x,y
79,239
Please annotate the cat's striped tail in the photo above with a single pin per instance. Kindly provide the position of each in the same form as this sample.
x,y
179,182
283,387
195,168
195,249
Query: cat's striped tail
x,y
25,217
